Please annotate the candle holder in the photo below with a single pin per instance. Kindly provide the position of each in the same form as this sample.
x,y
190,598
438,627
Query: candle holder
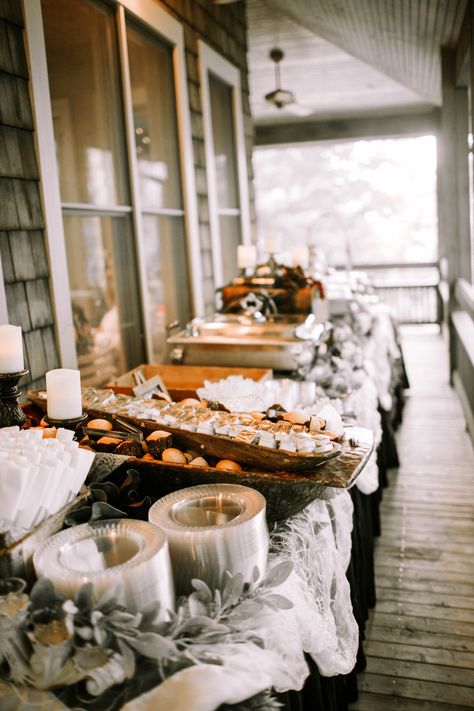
x,y
69,424
10,410
272,263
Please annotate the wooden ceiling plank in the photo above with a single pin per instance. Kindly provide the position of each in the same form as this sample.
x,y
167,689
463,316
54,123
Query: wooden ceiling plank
x,y
398,38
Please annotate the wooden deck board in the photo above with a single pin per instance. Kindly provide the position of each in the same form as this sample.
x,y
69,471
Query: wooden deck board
x,y
379,702
438,612
420,637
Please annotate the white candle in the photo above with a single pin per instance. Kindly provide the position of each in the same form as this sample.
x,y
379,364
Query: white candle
x,y
300,257
272,243
11,349
246,256
63,387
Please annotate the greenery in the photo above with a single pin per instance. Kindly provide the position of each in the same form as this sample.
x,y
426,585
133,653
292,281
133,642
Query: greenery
x,y
102,643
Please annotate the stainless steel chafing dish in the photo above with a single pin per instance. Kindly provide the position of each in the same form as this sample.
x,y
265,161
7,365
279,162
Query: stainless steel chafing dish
x,y
278,342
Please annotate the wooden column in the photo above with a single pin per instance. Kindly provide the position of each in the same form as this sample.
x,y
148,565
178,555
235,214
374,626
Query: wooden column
x,y
453,172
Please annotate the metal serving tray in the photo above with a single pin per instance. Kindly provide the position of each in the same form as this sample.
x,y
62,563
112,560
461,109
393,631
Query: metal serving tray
x,y
232,340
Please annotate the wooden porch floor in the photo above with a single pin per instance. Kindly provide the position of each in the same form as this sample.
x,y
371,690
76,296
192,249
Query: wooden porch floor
x,y
420,638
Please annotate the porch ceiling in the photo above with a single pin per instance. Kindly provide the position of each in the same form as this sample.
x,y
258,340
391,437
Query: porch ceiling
x,y
349,58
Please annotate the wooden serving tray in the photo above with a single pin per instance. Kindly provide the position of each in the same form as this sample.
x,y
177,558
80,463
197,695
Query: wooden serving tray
x,y
182,381
259,458
286,493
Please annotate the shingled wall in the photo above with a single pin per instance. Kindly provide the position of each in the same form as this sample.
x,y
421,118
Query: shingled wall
x,y
22,239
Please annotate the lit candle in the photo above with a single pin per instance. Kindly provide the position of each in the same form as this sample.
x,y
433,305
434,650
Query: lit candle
x,y
300,257
63,388
246,256
11,349
272,243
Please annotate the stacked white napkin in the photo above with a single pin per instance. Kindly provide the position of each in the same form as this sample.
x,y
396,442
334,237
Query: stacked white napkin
x,y
38,476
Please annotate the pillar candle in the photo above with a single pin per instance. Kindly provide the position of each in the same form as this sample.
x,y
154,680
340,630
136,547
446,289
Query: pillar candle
x,y
272,243
300,257
63,387
11,349
246,256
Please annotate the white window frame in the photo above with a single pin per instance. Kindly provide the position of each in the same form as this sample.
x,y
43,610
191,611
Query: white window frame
x,y
212,62
161,23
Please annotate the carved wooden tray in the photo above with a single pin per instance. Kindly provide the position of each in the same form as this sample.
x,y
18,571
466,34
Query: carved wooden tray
x,y
251,455
286,493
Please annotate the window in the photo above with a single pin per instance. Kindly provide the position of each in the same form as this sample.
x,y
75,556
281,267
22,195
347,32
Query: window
x,y
125,177
225,161
157,152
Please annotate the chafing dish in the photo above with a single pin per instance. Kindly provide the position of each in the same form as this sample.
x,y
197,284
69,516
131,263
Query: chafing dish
x,y
279,342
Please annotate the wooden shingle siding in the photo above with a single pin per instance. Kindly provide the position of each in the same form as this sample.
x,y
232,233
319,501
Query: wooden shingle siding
x,y
12,55
36,354
39,302
21,206
22,241
15,107
11,10
17,159
6,258
18,312
50,350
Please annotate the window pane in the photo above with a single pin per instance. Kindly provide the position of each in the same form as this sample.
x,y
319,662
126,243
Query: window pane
x,y
167,277
224,143
104,296
84,84
154,111
230,238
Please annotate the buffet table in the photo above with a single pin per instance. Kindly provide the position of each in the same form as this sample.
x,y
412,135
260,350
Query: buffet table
x,y
297,635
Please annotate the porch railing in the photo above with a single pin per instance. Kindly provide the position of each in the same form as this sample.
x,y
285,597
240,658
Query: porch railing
x,y
410,289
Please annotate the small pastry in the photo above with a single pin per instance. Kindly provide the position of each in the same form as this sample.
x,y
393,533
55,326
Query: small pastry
x,y
100,424
107,444
247,436
296,418
158,441
148,457
130,448
87,442
267,440
176,456
287,445
198,462
188,423
205,428
316,424
49,432
275,412
228,465
191,401
191,453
